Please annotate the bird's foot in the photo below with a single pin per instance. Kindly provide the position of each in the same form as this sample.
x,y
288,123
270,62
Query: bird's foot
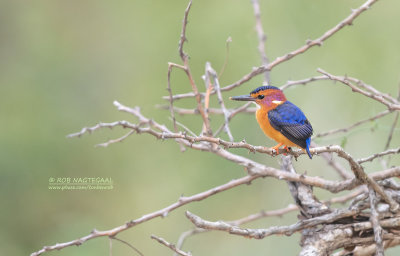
x,y
287,150
276,148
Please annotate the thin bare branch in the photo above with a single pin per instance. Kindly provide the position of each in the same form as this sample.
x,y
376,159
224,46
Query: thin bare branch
x,y
186,234
328,157
217,111
359,173
396,118
128,244
186,129
210,72
183,38
262,38
350,127
302,82
185,59
377,155
171,99
385,161
228,41
171,246
261,233
97,127
106,144
372,89
375,95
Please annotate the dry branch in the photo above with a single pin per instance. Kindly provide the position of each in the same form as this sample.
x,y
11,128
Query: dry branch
x,y
262,233
169,245
265,214
126,243
391,103
185,59
354,125
212,75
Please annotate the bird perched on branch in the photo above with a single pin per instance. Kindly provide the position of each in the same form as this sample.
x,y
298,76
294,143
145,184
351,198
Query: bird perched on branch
x,y
280,119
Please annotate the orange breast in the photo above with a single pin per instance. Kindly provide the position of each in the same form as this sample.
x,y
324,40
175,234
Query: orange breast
x,y
271,132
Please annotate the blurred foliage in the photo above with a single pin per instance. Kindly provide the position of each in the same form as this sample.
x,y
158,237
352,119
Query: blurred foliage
x,y
64,62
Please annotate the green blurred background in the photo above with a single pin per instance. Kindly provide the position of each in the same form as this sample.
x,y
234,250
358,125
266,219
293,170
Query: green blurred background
x,y
64,62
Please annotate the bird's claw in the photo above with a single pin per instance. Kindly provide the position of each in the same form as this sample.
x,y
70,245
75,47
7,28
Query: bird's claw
x,y
276,149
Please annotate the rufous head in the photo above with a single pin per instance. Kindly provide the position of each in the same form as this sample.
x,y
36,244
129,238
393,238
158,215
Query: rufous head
x,y
264,96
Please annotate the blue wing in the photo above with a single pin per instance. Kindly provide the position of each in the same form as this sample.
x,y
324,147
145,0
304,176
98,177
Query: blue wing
x,y
292,123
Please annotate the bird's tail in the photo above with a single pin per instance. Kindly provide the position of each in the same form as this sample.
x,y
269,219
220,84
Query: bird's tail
x,y
308,141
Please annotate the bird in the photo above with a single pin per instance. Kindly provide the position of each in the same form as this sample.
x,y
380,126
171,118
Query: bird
x,y
280,119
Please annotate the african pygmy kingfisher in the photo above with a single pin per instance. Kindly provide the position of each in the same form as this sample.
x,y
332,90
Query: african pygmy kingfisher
x,y
280,119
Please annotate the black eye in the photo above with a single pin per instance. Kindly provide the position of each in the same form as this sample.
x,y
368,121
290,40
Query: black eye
x,y
260,97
